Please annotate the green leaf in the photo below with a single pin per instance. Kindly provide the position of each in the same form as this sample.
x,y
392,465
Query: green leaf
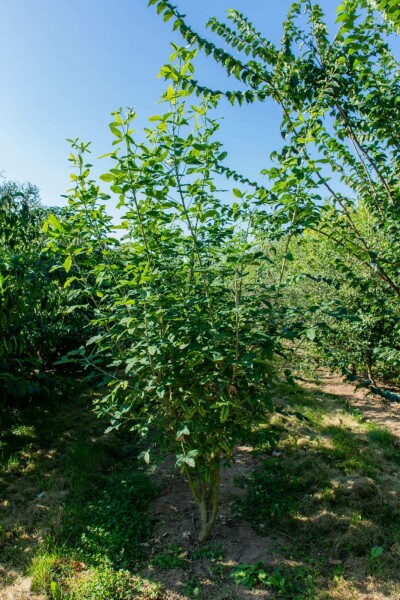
x,y
170,93
69,280
311,333
67,264
182,432
107,177
52,219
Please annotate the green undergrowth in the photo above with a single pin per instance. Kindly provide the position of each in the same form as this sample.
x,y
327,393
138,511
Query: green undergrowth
x,y
106,520
98,496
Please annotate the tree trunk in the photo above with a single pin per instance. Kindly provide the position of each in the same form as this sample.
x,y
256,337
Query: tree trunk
x,y
369,366
207,498
208,506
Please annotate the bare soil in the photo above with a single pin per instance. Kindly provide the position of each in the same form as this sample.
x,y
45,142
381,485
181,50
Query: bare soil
x,y
177,524
383,413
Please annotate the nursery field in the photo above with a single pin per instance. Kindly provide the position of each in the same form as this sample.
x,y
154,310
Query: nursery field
x,y
200,360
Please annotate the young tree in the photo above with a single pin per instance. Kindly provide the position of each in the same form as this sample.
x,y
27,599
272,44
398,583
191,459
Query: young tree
x,y
185,318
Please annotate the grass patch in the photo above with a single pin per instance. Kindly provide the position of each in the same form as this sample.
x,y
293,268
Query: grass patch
x,y
328,485
291,584
171,557
115,520
47,566
64,579
85,493
331,486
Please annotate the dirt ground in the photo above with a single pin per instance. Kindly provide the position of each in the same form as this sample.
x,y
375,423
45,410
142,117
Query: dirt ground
x,y
383,413
176,523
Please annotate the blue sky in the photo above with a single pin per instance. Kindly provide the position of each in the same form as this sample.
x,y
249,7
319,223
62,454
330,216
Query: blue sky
x,y
67,64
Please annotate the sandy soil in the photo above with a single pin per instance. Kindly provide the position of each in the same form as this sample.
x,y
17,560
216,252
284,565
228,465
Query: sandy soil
x,y
383,413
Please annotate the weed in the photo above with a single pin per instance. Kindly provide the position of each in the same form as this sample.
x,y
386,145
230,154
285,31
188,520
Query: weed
x,y
83,463
46,566
170,557
278,490
192,588
381,436
211,553
376,552
354,412
249,575
115,520
105,583
23,430
346,449
289,583
56,591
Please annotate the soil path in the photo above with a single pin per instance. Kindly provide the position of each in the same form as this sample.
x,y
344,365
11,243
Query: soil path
x,y
383,413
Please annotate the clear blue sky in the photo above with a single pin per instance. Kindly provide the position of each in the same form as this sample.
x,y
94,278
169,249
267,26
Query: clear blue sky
x,y
67,64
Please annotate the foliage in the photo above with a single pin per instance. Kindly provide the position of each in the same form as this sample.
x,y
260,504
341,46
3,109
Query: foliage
x,y
336,175
293,583
115,520
96,501
390,8
36,326
249,575
327,534
275,491
58,578
44,567
104,582
170,557
355,321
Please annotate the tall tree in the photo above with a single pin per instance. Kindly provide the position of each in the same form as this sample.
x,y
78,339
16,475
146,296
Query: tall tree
x,y
339,96
391,10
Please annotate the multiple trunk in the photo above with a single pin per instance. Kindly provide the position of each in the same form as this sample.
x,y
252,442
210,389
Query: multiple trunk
x,y
206,495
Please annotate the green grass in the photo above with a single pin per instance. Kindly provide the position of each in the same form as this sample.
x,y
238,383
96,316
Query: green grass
x,y
170,557
48,565
60,578
290,584
115,521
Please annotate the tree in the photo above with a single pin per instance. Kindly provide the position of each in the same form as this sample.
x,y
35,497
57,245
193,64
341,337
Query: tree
x,y
391,10
186,329
21,289
339,100
36,326
353,323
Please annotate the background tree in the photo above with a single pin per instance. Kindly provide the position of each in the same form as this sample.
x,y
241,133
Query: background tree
x,y
339,162
36,325
391,10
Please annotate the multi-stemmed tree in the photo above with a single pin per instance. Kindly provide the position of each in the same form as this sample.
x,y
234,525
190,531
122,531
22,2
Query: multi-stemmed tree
x,y
186,322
